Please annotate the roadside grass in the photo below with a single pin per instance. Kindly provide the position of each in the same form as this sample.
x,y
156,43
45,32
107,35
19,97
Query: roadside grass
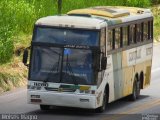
x,y
12,75
156,13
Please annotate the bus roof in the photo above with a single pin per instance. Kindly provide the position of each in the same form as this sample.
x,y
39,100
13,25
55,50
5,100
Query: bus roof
x,y
72,22
115,14
96,17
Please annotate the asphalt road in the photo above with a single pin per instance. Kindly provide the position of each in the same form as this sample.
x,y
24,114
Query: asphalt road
x,y
147,106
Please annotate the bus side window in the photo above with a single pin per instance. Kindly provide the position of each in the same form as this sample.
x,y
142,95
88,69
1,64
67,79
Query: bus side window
x,y
132,34
142,31
125,36
110,40
139,32
103,40
117,38
145,31
150,30
121,37
128,35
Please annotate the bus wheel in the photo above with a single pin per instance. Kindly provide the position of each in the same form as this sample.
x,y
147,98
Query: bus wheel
x,y
136,90
44,107
103,107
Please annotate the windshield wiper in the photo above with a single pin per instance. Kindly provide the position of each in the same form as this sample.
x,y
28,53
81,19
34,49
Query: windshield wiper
x,y
54,66
71,71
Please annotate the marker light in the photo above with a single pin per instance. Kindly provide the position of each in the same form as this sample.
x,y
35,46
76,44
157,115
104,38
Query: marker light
x,y
67,51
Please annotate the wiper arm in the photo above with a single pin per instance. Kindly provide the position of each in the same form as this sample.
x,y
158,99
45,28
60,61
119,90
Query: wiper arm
x,y
71,71
54,66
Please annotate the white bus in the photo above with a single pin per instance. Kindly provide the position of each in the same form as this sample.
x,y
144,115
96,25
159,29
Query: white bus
x,y
90,57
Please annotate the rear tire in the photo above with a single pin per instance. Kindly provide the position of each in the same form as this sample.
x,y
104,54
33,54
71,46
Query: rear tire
x,y
44,107
136,90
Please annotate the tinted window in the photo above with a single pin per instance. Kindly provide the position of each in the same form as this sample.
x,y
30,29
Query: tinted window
x,y
63,65
132,34
150,30
139,32
103,40
110,39
67,36
117,38
125,36
145,31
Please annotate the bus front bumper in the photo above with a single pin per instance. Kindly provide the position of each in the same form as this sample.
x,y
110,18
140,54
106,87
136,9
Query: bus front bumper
x,y
62,99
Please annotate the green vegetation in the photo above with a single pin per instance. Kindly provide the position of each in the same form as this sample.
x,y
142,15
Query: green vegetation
x,y
10,81
155,2
17,18
71,4
12,75
156,13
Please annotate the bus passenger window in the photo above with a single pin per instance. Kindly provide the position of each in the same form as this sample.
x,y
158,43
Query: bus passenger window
x,y
142,32
117,38
150,30
125,36
103,40
139,32
145,31
132,34
110,40
103,37
121,37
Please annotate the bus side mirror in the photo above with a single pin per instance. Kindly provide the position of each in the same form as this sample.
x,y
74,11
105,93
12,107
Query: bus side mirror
x,y
25,57
103,63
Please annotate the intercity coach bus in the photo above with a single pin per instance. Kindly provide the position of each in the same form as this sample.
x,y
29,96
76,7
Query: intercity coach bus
x,y
90,57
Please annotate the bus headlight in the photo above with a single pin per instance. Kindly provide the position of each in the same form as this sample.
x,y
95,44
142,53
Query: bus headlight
x,y
87,91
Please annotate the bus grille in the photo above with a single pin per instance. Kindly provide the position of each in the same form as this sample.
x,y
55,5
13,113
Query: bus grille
x,y
60,89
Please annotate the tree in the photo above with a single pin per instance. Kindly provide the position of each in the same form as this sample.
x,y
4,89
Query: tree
x,y
59,6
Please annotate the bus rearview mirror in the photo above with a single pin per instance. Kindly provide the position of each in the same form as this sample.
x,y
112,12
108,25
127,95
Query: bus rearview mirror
x,y
25,57
103,63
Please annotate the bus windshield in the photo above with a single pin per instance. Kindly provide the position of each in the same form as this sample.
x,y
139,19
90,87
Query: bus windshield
x,y
66,36
63,65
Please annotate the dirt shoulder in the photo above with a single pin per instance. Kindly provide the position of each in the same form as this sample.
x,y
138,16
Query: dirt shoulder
x,y
12,75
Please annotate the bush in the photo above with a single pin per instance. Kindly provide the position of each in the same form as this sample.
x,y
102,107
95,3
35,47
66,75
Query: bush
x,y
21,15
71,4
16,16
138,3
6,46
6,43
155,2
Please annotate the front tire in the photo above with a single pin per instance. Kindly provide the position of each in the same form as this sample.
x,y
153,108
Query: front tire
x,y
104,104
44,107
